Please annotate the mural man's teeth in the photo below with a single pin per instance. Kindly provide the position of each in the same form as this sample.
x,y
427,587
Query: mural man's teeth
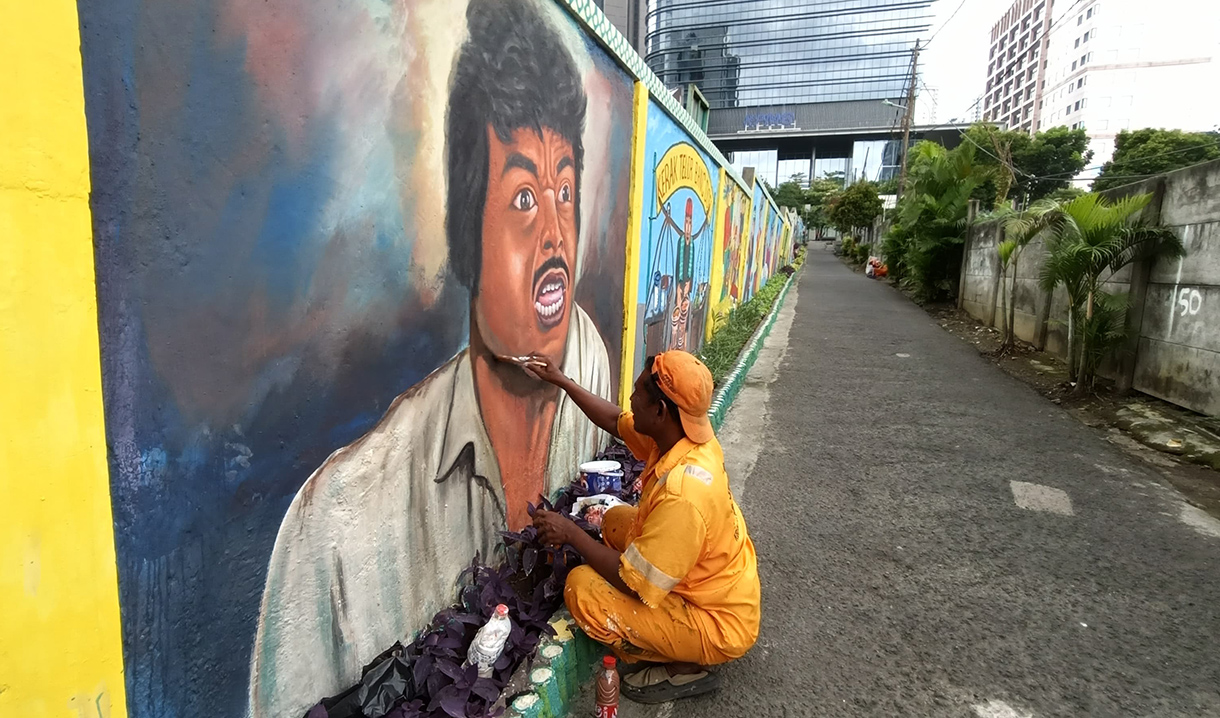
x,y
550,302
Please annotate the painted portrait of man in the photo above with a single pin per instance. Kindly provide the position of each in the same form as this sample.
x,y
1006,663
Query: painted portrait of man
x,y
372,543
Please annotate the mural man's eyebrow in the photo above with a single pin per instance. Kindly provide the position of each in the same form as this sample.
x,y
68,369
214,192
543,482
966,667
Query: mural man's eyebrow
x,y
566,161
520,161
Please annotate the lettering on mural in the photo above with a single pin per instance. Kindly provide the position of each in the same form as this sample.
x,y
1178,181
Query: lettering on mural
x,y
683,167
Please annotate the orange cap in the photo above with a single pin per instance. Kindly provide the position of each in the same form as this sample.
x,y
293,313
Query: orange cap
x,y
688,383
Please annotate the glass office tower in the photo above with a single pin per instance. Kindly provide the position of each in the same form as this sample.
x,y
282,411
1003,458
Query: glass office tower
x,y
748,53
795,87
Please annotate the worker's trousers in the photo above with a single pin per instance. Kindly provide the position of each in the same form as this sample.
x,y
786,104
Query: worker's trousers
x,y
633,630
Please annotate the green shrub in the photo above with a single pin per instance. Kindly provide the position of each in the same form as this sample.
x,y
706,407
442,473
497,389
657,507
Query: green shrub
x,y
720,354
894,250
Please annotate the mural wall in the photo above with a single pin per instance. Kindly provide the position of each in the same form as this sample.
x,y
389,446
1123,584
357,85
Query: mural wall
x,y
756,241
676,240
295,202
771,247
732,217
281,423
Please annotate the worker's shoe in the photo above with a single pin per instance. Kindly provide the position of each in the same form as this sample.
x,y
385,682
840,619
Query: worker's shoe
x,y
655,685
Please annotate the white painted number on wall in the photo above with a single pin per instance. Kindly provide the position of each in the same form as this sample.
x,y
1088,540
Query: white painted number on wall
x,y
1190,301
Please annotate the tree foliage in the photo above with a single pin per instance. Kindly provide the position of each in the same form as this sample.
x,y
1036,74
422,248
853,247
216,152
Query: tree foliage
x,y
818,197
1053,157
857,206
791,193
1151,151
924,247
1024,167
1090,239
810,203
1020,228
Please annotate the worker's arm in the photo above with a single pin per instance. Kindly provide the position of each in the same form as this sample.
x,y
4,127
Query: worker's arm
x,y
556,530
603,413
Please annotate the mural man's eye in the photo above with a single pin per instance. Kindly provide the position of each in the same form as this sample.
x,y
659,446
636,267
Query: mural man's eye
x,y
524,200
565,193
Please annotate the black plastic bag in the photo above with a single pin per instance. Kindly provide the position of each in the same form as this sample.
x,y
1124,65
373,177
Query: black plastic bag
x,y
348,703
384,687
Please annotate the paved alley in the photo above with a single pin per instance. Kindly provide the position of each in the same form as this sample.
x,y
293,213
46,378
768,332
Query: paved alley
x,y
936,539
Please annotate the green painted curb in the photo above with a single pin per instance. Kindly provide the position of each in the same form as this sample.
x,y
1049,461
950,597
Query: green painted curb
x,y
564,662
560,667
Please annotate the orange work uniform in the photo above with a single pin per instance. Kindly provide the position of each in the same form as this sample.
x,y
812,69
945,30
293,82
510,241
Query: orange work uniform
x,y
686,554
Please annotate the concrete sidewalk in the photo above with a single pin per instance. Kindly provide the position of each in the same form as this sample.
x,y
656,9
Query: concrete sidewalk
x,y
936,539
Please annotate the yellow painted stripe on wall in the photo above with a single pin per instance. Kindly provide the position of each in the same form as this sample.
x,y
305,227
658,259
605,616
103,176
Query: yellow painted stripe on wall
x,y
60,644
631,276
716,284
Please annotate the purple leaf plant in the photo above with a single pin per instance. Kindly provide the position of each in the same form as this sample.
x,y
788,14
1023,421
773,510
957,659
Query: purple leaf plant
x,y
529,580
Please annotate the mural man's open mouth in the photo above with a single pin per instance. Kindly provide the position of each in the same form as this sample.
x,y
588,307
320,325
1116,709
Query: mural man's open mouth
x,y
550,295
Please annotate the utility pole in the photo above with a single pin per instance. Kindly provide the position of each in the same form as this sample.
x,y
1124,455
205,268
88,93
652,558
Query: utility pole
x,y
907,117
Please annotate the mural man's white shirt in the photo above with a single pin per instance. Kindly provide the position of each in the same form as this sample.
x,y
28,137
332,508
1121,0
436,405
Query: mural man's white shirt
x,y
373,542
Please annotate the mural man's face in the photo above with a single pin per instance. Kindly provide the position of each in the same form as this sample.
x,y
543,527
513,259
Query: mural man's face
x,y
529,244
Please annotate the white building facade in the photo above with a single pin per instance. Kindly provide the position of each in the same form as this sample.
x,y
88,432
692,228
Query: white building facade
x,y
1116,65
1016,65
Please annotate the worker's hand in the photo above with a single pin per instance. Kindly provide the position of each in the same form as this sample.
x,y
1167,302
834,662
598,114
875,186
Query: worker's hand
x,y
554,529
545,368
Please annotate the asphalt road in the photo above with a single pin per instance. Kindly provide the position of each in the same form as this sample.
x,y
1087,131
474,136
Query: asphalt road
x,y
936,539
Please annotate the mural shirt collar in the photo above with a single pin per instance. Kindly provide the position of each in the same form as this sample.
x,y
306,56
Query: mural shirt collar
x,y
466,450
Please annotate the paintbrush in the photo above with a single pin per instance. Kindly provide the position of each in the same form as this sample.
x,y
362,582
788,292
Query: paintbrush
x,y
521,361
525,362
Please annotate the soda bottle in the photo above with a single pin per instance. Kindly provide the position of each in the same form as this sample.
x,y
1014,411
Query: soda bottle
x,y
489,642
607,689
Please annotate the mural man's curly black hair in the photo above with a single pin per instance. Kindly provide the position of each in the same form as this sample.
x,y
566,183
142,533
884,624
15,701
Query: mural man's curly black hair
x,y
512,72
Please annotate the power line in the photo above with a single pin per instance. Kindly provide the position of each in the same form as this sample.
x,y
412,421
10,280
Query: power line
x,y
1060,176
946,22
1147,157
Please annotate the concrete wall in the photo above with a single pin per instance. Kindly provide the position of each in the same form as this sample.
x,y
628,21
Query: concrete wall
x,y
257,411
1174,317
1178,356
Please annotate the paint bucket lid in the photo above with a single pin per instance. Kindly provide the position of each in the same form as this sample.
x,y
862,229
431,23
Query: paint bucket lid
x,y
600,467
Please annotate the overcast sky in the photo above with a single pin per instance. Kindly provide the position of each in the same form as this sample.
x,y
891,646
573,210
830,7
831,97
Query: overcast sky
x,y
955,64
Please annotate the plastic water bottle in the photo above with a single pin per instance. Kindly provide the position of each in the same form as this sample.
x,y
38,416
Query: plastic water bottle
x,y
607,689
489,642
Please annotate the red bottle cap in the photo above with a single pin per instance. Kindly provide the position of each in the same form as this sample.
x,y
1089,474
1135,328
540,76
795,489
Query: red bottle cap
x,y
501,610
608,662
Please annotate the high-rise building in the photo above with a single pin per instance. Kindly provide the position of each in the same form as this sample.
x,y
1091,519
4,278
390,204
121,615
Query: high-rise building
x,y
792,86
1118,65
1016,65
751,53
627,16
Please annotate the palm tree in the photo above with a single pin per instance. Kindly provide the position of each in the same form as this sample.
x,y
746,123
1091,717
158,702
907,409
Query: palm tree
x,y
1020,228
1090,239
931,216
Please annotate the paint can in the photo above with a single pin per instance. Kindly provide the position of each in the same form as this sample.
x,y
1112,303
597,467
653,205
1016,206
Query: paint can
x,y
602,477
